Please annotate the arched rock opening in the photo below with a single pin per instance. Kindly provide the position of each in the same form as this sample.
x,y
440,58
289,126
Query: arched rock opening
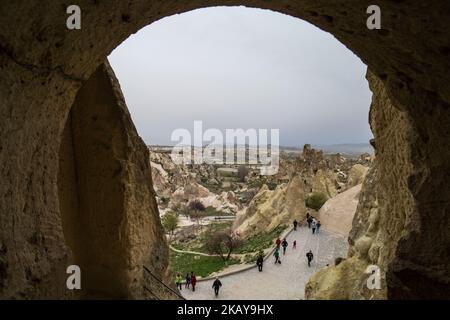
x,y
43,65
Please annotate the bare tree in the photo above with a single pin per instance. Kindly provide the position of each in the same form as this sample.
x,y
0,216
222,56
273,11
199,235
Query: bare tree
x,y
222,243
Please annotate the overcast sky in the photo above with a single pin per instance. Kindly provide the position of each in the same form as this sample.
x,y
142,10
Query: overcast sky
x,y
243,68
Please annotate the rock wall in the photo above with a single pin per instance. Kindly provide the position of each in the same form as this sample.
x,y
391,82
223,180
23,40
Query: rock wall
x,y
356,175
336,215
109,214
393,226
347,279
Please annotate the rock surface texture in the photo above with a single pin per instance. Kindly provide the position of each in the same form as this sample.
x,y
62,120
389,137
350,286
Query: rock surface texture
x,y
356,175
271,208
338,212
43,65
109,214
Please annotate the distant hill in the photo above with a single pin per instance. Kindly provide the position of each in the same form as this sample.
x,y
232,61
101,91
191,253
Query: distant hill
x,y
346,149
352,149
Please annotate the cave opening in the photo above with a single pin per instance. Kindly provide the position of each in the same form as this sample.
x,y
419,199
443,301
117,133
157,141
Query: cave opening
x,y
173,73
44,65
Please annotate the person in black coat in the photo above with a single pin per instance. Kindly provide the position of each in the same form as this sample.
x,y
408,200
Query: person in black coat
x,y
260,262
216,286
284,244
310,257
309,220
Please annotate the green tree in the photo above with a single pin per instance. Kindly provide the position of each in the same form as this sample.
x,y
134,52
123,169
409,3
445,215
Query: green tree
x,y
316,200
170,222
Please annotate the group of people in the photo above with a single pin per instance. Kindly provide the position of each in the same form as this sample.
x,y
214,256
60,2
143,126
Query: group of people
x,y
191,280
313,224
282,244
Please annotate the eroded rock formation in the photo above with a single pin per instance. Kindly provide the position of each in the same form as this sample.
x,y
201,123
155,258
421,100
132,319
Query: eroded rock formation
x,y
336,215
271,208
178,185
356,175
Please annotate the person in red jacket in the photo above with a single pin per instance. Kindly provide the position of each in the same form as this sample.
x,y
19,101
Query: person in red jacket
x,y
193,280
278,243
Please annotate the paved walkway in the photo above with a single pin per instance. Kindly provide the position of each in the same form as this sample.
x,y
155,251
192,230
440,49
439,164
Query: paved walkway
x,y
285,281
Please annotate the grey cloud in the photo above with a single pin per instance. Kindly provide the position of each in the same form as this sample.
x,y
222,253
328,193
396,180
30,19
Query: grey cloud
x,y
243,68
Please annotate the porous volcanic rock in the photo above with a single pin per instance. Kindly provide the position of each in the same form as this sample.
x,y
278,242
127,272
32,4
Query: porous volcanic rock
x,y
356,175
272,208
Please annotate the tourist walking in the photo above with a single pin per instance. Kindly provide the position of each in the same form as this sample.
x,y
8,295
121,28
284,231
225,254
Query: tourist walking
x,y
295,225
188,281
278,243
309,220
310,257
318,226
276,254
216,286
284,244
193,281
294,244
260,262
178,280
313,226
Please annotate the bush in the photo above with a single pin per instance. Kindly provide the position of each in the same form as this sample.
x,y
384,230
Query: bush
x,y
316,200
272,185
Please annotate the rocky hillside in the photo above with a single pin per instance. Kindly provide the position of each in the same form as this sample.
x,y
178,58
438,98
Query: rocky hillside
x,y
263,203
177,185
306,174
